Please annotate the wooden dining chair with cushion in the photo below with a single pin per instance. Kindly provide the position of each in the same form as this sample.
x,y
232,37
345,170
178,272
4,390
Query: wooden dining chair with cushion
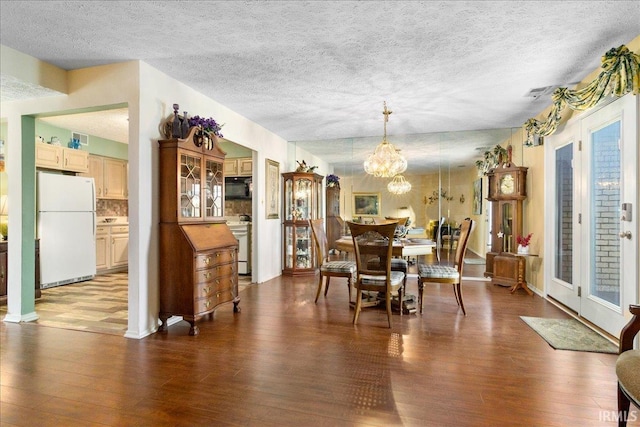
x,y
439,240
375,242
628,368
328,268
397,263
436,273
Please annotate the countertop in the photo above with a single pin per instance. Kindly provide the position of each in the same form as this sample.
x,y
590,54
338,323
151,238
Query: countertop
x,y
118,220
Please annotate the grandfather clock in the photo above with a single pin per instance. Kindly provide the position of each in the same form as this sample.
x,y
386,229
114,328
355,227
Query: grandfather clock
x,y
507,191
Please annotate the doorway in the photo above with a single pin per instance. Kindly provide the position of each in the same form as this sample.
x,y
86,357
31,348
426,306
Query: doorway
x,y
99,304
590,238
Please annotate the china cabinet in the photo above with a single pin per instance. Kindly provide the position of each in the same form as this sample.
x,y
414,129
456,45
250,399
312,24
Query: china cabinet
x,y
198,252
507,192
302,202
334,221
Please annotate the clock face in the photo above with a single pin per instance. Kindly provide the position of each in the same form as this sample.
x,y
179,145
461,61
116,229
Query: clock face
x,y
507,185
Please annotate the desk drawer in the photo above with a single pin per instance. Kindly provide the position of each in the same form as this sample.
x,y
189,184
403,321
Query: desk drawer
x,y
205,290
210,259
210,274
202,305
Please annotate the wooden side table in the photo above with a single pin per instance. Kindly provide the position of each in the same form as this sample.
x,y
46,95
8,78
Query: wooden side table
x,y
510,270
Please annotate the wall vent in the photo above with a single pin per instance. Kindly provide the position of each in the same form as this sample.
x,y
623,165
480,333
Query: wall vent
x,y
83,138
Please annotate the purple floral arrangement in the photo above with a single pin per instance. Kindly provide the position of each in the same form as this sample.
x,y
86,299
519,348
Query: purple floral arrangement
x,y
209,124
333,179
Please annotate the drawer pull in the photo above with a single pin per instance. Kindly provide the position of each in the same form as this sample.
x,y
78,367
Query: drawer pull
x,y
217,281
217,254
207,275
208,303
207,290
207,260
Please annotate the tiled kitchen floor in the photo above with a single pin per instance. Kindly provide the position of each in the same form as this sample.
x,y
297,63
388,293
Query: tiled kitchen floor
x,y
98,305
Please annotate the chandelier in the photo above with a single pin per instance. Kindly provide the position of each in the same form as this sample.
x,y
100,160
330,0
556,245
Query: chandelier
x,y
399,185
386,160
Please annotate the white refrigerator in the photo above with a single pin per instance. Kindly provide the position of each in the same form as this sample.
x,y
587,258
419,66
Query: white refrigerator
x,y
66,218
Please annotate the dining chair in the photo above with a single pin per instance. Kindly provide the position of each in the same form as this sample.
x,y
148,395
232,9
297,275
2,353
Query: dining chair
x,y
439,240
436,273
328,268
451,236
375,242
628,367
397,263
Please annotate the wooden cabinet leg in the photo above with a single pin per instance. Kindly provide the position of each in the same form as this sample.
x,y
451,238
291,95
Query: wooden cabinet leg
x,y
194,328
163,324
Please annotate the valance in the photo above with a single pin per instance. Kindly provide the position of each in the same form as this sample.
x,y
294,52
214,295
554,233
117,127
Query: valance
x,y
620,75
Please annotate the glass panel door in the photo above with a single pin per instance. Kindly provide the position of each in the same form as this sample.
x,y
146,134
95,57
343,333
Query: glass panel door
x,y
213,189
563,265
190,175
563,206
605,206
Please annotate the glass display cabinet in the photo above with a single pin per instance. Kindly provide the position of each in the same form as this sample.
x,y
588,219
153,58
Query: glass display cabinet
x,y
302,202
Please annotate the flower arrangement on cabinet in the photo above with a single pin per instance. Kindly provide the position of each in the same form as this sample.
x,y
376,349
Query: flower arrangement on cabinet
x,y
333,180
523,243
209,125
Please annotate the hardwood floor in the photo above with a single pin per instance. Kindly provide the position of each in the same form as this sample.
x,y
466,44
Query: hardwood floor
x,y
98,305
284,360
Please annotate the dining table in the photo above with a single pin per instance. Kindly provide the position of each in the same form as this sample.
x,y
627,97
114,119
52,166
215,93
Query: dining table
x,y
402,247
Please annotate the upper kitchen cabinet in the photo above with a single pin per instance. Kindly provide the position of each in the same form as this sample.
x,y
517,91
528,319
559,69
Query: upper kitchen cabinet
x,y
238,167
60,158
110,176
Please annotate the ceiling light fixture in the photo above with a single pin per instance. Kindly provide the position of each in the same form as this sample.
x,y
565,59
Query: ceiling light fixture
x,y
399,185
386,160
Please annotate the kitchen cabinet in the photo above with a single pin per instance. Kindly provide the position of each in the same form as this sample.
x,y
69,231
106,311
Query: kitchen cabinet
x,y
302,202
198,266
4,245
119,246
110,176
61,158
238,167
102,248
112,247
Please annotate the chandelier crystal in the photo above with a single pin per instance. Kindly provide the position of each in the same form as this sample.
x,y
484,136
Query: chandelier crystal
x,y
386,160
399,185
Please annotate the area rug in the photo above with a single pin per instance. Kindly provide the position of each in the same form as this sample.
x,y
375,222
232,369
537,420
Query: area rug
x,y
570,334
474,261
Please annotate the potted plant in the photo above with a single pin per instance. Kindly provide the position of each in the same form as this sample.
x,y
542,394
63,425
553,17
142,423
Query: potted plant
x,y
523,243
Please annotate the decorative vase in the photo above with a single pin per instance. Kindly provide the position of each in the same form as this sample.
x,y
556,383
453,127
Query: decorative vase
x,y
524,250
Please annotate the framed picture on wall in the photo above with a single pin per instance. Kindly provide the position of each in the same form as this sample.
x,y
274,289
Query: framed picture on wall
x,y
272,205
366,204
477,197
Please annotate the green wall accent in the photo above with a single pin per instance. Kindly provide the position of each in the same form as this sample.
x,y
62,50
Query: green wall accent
x,y
234,150
97,145
28,209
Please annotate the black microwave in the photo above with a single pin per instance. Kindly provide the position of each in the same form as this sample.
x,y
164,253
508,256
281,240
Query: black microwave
x,y
237,188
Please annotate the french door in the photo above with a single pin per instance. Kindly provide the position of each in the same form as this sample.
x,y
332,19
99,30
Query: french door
x,y
591,250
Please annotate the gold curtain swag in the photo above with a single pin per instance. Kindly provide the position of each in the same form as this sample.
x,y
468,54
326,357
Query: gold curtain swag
x,y
620,75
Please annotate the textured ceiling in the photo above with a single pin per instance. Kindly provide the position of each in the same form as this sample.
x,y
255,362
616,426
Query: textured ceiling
x,y
318,71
